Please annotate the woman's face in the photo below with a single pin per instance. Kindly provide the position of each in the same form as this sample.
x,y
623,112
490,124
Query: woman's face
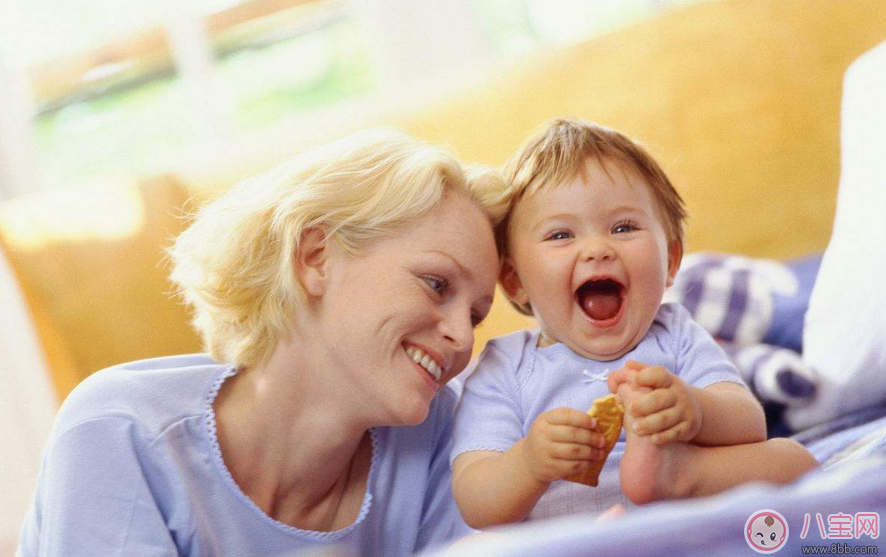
x,y
399,317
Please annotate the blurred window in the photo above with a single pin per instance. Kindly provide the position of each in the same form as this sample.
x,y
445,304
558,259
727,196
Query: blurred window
x,y
123,88
112,98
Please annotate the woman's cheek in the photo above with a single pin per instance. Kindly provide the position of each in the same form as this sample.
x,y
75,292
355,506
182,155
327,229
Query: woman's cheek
x,y
459,363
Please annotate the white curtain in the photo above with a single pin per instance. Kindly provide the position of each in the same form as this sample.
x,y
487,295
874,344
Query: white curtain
x,y
18,162
27,406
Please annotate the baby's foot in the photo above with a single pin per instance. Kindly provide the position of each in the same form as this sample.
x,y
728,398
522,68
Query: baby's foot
x,y
651,472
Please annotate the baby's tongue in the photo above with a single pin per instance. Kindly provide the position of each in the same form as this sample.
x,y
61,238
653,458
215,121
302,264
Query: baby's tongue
x,y
600,304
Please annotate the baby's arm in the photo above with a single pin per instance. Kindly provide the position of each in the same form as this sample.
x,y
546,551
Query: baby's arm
x,y
720,414
494,487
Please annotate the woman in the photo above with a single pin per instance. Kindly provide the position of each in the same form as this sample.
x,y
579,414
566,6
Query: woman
x,y
336,297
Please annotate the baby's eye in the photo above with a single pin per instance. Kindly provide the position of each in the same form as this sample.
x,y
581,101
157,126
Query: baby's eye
x,y
559,235
437,284
624,227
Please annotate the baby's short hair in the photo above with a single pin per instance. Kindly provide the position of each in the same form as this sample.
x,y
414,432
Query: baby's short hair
x,y
234,264
560,151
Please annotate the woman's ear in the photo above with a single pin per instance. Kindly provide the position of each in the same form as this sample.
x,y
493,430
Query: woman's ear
x,y
511,283
675,256
312,260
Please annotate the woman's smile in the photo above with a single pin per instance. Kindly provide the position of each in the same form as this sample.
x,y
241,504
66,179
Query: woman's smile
x,y
426,361
430,380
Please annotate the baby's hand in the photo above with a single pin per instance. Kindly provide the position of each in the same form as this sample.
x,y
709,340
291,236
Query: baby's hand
x,y
560,443
666,408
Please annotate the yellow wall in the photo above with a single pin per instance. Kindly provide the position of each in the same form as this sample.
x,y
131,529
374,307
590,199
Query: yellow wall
x,y
738,99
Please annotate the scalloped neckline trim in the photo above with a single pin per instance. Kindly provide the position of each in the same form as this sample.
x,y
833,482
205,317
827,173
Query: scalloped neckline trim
x,y
219,462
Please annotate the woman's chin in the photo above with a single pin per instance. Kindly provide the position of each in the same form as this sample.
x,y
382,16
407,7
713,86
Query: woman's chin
x,y
411,413
414,419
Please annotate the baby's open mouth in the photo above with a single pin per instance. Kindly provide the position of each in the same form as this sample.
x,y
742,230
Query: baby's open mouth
x,y
600,299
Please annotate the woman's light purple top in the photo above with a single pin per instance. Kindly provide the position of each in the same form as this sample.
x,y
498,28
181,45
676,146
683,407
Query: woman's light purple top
x,y
133,468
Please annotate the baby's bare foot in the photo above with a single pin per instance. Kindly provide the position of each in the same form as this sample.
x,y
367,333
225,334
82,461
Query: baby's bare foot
x,y
651,472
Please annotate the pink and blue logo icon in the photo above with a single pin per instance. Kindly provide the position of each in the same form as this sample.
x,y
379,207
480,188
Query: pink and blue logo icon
x,y
766,531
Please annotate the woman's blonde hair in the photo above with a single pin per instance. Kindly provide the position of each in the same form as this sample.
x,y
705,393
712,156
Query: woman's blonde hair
x,y
234,264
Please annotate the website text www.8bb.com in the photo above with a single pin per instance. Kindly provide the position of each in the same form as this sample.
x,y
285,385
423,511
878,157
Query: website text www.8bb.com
x,y
839,549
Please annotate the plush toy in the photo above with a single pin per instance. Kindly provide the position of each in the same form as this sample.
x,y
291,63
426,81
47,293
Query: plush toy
x,y
755,308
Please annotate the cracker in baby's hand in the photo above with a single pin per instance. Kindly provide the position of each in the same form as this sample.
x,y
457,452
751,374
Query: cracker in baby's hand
x,y
609,414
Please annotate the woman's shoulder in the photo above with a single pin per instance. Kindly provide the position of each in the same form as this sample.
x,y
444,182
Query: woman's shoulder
x,y
447,397
432,431
154,392
441,410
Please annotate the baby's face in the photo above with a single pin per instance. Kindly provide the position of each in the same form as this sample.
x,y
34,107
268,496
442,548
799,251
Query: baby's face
x,y
592,258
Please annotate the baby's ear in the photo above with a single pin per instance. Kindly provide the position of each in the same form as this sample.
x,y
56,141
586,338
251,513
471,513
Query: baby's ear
x,y
511,283
675,256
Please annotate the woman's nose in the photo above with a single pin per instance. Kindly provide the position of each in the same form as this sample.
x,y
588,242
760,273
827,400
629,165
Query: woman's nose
x,y
459,331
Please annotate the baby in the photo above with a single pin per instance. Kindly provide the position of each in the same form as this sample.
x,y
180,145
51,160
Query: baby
x,y
593,239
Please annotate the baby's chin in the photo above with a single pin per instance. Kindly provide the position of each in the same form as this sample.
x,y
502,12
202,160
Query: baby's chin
x,y
589,350
597,355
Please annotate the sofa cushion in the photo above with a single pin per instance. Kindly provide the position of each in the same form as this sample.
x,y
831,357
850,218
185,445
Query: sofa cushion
x,y
90,264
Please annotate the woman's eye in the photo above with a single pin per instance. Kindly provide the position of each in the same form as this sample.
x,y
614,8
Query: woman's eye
x,y
559,235
437,284
624,227
476,319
